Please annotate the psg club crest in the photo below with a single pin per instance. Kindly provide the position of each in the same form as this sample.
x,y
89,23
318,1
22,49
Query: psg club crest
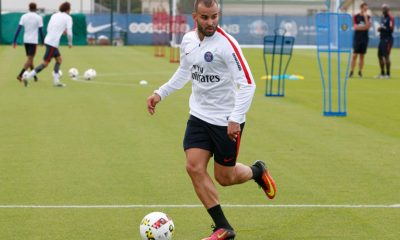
x,y
208,56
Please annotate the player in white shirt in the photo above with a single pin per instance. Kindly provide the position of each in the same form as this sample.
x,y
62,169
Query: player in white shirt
x,y
32,24
59,23
222,91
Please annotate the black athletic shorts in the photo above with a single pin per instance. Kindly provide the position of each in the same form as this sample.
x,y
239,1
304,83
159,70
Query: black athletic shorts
x,y
51,52
385,46
30,49
200,134
360,47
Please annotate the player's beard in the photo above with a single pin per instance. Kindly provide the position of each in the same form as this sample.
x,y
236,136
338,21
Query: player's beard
x,y
207,31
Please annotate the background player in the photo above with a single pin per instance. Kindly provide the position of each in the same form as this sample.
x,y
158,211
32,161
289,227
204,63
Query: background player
x,y
386,41
222,91
361,24
59,23
32,24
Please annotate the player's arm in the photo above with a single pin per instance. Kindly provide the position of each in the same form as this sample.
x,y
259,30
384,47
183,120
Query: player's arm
x,y
391,23
177,81
359,27
21,24
243,78
69,32
367,21
16,36
355,25
41,35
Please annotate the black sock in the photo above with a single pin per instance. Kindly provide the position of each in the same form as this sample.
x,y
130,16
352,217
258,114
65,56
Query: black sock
x,y
218,217
22,72
257,172
56,67
39,68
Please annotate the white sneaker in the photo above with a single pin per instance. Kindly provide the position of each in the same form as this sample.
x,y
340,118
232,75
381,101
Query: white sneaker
x,y
56,80
380,76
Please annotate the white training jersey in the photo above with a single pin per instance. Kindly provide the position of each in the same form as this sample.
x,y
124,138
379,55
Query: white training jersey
x,y
31,22
222,83
58,24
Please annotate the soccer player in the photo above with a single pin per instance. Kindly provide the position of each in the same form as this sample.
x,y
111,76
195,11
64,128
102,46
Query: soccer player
x,y
361,24
386,41
32,24
59,23
222,91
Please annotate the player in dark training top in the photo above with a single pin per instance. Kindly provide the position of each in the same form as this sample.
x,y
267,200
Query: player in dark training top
x,y
361,24
386,41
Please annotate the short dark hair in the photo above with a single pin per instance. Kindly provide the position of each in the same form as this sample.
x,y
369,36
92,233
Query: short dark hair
x,y
363,4
65,7
207,3
32,7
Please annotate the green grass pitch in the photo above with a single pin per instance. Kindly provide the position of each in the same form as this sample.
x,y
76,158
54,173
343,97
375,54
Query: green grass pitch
x,y
93,143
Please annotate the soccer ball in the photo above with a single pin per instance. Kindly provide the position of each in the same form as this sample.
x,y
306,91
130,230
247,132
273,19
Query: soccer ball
x,y
157,226
90,74
73,73
143,82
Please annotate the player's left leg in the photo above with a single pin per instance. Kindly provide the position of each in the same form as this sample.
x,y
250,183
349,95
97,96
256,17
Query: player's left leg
x,y
381,58
27,63
361,65
227,175
32,65
46,60
353,64
240,173
30,50
56,74
363,51
228,172
388,62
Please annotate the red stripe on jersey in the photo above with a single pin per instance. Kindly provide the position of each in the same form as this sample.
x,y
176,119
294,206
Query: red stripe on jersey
x,y
246,72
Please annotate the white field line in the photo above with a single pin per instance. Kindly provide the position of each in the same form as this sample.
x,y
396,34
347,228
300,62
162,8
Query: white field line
x,y
326,206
